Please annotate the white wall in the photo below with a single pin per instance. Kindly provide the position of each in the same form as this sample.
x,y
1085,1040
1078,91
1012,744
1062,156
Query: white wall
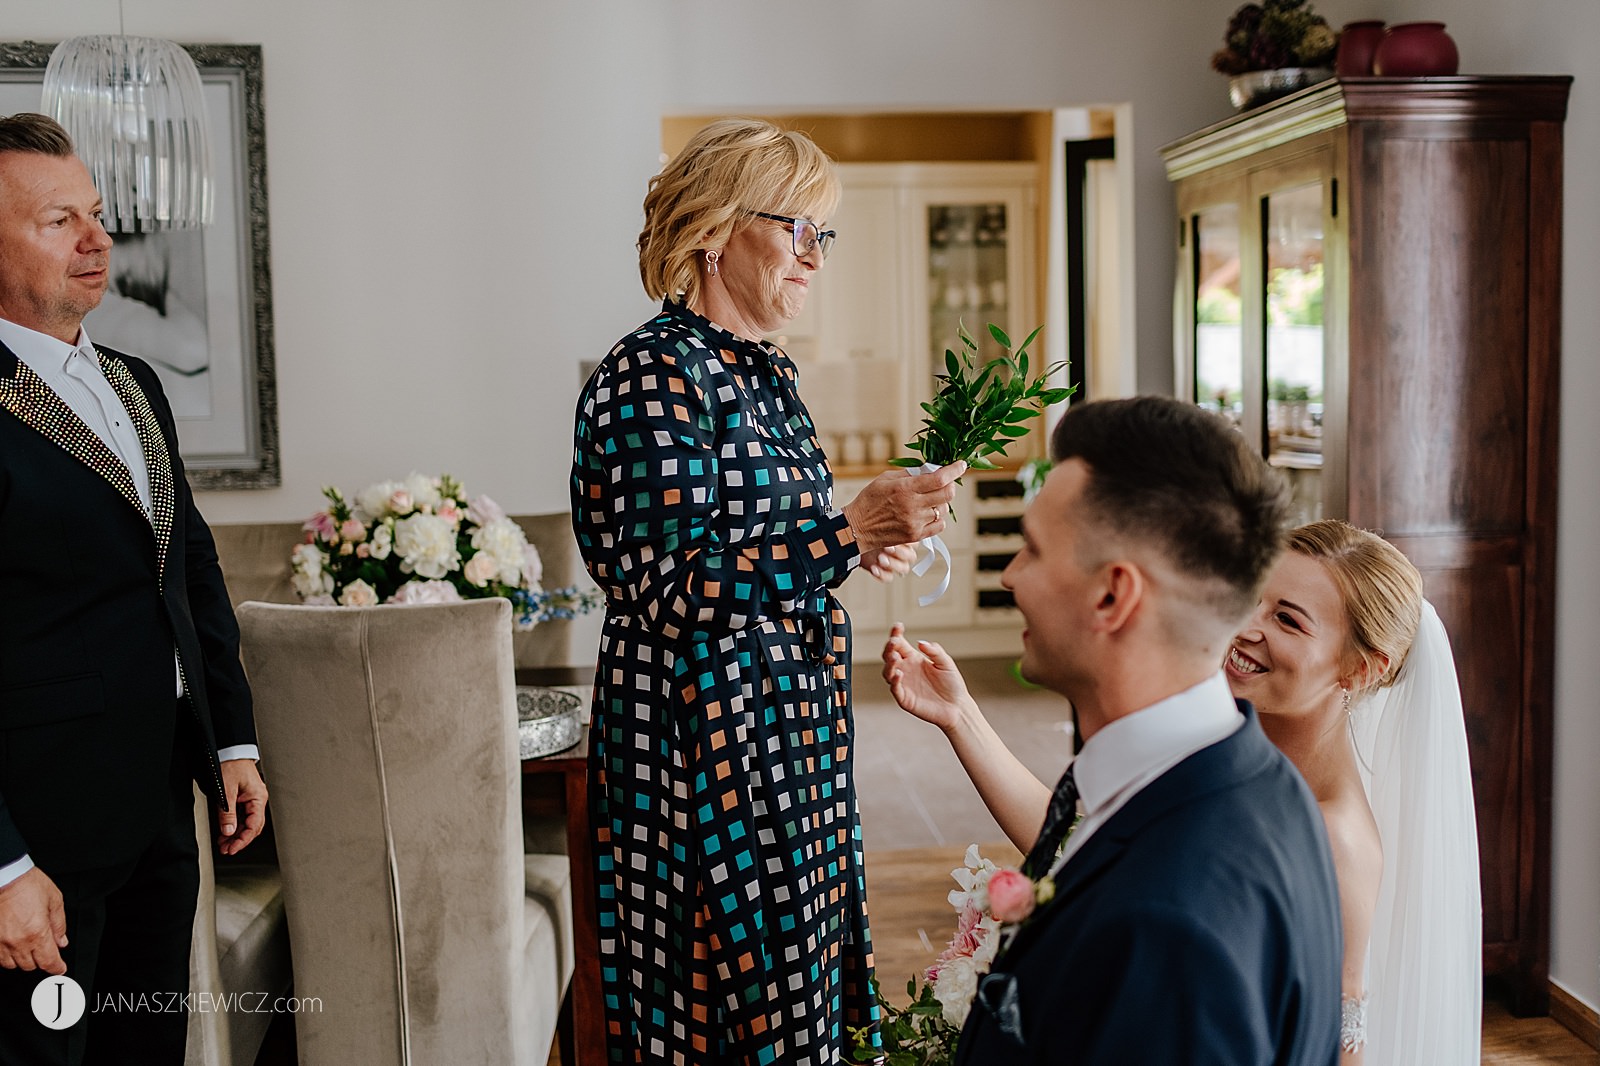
x,y
455,192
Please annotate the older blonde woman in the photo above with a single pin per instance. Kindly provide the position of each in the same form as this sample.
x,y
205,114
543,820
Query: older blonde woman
x,y
732,911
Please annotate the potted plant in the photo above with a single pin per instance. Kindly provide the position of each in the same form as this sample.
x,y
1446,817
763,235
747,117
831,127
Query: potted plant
x,y
1274,48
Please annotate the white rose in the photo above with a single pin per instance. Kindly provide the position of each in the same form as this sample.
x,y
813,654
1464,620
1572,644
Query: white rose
x,y
481,569
957,985
358,594
532,566
310,577
382,540
424,491
372,502
427,545
504,541
414,592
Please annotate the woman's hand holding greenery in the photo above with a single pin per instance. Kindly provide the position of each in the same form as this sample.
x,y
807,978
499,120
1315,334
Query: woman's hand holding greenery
x,y
978,412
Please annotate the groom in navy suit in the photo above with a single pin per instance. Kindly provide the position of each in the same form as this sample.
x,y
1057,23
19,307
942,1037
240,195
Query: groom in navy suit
x,y
1195,916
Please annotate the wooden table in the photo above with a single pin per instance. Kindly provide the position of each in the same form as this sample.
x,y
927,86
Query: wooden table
x,y
558,785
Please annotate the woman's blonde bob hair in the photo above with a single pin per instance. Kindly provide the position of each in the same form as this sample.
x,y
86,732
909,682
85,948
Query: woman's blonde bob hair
x,y
729,169
1381,590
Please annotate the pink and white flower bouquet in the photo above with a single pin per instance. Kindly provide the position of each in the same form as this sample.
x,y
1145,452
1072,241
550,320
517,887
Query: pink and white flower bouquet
x,y
424,540
990,902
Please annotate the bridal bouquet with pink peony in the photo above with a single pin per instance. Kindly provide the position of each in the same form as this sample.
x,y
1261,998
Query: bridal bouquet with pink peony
x,y
424,540
990,903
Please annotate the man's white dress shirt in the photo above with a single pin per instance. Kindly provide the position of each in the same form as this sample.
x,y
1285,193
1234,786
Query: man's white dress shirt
x,y
1129,753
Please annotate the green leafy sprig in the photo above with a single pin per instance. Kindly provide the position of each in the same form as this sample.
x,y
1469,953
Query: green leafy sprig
x,y
913,1035
980,410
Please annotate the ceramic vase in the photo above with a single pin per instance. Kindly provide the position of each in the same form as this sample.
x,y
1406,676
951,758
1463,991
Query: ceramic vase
x,y
1358,42
1416,50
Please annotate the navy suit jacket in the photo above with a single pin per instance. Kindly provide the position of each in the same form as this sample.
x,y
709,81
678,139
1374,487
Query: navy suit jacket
x,y
1198,925
94,597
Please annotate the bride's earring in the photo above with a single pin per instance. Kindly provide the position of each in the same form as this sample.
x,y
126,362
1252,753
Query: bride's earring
x,y
1344,699
712,255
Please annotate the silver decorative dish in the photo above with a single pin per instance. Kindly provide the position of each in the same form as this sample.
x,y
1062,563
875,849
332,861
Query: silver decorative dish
x,y
1261,86
548,720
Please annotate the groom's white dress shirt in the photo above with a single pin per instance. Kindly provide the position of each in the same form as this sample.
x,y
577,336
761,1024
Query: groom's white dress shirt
x,y
1129,753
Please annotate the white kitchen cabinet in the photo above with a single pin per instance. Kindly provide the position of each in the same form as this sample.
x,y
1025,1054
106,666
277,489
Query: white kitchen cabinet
x,y
922,248
975,615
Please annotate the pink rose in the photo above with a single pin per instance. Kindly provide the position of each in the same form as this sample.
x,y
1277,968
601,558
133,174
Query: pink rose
x,y
353,531
481,569
321,524
449,512
532,566
400,501
1010,896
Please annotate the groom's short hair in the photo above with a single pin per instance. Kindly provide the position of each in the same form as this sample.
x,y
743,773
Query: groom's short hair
x,y
1182,481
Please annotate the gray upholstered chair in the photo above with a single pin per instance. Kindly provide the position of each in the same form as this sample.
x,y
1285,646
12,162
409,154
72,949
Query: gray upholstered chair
x,y
389,743
239,957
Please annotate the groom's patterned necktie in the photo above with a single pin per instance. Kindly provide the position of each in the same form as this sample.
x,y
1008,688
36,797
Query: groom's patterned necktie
x,y
1057,823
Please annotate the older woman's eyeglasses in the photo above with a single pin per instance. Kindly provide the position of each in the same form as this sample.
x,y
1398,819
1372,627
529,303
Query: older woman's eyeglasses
x,y
807,237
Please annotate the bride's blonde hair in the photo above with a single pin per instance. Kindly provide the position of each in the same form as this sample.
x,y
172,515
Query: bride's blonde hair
x,y
1381,590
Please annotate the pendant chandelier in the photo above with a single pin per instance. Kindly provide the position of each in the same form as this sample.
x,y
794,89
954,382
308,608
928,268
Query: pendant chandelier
x,y
134,108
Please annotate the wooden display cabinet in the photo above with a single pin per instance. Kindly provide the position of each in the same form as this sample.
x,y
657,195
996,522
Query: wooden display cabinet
x,y
1369,284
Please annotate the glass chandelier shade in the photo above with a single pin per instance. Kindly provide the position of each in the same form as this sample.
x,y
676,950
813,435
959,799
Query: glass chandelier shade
x,y
137,117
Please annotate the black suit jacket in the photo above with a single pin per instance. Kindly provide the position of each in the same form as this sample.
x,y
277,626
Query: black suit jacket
x,y
94,597
1198,925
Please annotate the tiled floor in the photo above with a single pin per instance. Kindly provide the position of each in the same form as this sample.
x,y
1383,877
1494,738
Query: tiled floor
x,y
910,786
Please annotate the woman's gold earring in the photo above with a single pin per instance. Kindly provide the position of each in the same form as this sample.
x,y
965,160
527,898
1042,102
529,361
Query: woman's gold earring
x,y
712,255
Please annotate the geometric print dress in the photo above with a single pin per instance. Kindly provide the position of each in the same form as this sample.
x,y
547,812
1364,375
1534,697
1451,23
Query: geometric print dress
x,y
733,922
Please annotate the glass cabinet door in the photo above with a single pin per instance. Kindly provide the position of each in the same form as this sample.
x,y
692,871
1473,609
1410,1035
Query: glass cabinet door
x,y
971,253
1293,256
969,281
1219,361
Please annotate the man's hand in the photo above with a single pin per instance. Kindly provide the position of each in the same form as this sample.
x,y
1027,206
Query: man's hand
x,y
33,925
247,797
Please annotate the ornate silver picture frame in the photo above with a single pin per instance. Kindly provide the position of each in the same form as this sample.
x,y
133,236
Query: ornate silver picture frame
x,y
197,304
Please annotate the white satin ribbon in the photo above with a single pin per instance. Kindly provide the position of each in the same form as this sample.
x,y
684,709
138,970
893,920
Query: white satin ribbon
x,y
936,549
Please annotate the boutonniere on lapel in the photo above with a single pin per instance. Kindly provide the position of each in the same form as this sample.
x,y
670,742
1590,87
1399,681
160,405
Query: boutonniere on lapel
x,y
991,902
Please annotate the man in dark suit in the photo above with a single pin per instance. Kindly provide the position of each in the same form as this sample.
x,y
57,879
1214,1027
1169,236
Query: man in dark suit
x,y
120,681
1195,914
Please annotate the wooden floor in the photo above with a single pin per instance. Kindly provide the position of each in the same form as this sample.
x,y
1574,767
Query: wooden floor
x,y
912,921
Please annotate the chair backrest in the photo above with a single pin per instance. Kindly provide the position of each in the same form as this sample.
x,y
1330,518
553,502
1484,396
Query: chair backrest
x,y
209,1042
388,739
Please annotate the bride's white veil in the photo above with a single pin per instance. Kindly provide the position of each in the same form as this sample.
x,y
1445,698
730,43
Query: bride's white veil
x,y
1424,978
